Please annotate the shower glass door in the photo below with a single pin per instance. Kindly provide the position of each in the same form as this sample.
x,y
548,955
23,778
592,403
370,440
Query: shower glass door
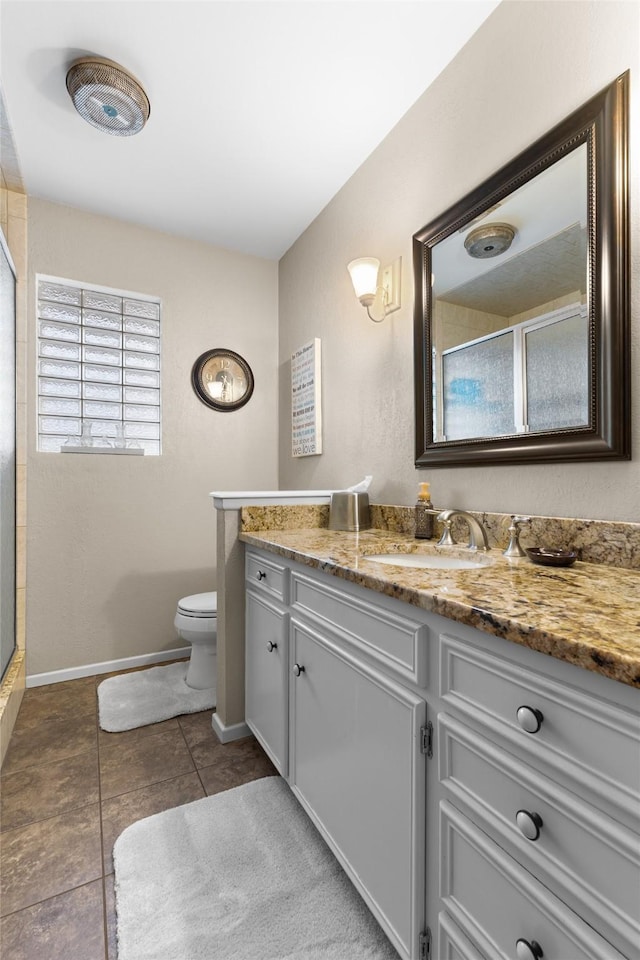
x,y
7,457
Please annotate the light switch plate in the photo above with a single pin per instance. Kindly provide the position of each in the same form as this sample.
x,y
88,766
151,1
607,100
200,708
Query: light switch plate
x,y
391,275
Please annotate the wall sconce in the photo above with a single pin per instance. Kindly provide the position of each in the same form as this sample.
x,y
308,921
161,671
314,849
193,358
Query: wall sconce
x,y
364,276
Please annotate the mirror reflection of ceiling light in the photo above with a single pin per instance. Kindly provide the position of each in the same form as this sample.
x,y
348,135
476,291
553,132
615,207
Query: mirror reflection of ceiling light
x,y
490,240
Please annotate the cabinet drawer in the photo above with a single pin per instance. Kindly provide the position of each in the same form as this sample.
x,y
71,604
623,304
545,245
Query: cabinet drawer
x,y
585,742
396,641
497,902
267,575
452,943
590,861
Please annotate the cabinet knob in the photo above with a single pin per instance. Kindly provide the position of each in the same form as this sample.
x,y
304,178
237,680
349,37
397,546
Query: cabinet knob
x,y
529,719
260,575
271,646
297,669
528,950
529,824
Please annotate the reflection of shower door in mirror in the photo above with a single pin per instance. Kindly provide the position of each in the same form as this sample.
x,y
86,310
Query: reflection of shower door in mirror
x,y
557,373
7,458
529,377
479,388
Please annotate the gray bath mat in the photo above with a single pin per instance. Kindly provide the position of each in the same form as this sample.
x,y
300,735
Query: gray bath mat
x,y
148,696
242,875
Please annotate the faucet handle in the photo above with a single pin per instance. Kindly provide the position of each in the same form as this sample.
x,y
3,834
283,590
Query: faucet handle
x,y
446,540
514,549
519,521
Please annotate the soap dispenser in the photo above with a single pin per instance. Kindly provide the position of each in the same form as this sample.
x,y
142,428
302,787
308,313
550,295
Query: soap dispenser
x,y
424,514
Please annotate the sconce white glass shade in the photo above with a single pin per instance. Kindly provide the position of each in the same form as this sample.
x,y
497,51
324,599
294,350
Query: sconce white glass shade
x,y
364,276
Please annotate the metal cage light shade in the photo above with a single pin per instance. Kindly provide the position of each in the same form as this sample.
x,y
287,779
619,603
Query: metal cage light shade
x,y
107,96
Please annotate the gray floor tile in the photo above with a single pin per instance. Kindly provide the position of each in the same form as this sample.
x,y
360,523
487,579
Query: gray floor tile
x,y
59,701
127,766
69,926
234,772
110,917
35,741
48,789
49,857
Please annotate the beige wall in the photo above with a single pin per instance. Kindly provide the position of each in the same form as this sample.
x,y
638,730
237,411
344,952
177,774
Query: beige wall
x,y
576,297
529,66
115,541
455,324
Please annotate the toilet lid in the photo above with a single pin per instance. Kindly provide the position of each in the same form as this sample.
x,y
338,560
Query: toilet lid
x,y
199,605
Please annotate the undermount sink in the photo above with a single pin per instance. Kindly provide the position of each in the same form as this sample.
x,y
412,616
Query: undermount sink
x,y
422,561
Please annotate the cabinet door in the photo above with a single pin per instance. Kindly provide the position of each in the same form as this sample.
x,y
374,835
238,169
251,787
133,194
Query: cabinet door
x,y
266,693
357,767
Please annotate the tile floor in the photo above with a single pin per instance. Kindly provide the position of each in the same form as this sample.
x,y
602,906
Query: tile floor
x,y
68,789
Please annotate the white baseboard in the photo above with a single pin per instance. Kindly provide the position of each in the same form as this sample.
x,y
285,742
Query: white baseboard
x,y
109,666
235,731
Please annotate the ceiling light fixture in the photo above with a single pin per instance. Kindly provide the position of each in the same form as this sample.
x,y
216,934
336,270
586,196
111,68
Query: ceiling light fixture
x,y
107,96
490,240
364,276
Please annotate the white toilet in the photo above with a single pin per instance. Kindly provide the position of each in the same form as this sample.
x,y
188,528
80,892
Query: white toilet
x,y
197,622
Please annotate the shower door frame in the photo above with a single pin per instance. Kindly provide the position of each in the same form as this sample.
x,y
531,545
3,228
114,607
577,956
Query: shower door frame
x,y
8,524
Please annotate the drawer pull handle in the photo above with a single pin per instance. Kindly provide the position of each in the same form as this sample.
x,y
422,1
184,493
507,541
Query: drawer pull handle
x,y
529,719
529,824
271,646
528,950
261,575
297,669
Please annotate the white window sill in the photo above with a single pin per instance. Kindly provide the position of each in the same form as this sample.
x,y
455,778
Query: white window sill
x,y
127,451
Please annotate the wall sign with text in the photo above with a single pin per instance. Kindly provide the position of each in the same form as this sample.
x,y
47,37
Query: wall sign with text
x,y
306,405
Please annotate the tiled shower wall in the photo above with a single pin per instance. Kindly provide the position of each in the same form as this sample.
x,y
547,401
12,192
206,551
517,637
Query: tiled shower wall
x,y
13,220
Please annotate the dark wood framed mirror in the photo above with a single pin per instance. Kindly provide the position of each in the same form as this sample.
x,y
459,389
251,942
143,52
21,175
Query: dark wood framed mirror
x,y
522,314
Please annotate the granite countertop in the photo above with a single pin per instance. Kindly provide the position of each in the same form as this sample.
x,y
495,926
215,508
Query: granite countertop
x,y
587,614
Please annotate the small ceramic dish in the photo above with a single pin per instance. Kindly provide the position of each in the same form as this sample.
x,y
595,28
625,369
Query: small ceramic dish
x,y
552,558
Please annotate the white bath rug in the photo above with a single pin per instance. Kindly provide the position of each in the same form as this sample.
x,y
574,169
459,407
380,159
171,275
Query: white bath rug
x,y
242,875
148,696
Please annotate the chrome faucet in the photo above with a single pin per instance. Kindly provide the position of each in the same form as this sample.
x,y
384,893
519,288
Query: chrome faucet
x,y
478,539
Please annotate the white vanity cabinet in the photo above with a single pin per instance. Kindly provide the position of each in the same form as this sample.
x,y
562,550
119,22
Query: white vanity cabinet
x,y
514,829
541,774
267,657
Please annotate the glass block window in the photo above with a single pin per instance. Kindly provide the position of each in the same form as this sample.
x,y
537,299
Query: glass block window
x,y
98,368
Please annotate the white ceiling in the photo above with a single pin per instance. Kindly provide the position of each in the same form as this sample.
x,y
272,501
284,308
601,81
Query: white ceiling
x,y
260,109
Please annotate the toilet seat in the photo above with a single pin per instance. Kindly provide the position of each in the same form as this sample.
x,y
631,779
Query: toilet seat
x,y
202,605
